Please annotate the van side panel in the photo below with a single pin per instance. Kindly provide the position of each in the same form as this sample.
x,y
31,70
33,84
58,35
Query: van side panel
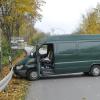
x,y
77,56
66,57
89,52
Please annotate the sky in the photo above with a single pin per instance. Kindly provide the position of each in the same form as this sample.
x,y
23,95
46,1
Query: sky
x,y
63,16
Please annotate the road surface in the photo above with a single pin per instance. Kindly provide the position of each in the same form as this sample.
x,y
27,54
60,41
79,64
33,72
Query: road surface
x,y
70,87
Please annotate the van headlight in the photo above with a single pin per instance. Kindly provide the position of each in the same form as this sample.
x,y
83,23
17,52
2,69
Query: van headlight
x,y
19,67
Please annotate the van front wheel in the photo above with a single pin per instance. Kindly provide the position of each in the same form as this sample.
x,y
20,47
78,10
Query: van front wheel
x,y
32,75
95,70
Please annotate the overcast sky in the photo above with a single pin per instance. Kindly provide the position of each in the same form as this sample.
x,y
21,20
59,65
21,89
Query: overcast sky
x,y
64,16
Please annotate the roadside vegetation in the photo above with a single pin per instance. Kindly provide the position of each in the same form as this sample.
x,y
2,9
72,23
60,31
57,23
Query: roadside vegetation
x,y
17,87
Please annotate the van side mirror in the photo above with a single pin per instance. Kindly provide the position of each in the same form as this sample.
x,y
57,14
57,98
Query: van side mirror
x,y
31,54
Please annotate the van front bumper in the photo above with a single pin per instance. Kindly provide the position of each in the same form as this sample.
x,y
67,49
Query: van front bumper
x,y
20,72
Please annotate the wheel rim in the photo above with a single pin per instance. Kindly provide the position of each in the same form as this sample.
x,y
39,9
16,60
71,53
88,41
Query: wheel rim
x,y
96,71
33,75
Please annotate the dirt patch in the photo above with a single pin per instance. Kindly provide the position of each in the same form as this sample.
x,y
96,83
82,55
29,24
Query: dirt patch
x,y
17,87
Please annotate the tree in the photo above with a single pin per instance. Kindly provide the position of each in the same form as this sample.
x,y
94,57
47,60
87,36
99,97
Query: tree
x,y
89,24
19,11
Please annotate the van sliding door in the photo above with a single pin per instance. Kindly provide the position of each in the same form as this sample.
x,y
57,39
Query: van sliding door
x,y
66,54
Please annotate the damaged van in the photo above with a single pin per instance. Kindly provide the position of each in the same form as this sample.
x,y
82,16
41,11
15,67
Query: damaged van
x,y
63,54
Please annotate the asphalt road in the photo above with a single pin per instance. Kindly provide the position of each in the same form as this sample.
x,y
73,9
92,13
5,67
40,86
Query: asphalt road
x,y
70,87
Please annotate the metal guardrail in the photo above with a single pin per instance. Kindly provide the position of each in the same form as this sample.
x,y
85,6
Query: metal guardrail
x,y
4,82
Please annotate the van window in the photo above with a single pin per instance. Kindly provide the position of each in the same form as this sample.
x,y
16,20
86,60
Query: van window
x,y
65,48
89,47
43,49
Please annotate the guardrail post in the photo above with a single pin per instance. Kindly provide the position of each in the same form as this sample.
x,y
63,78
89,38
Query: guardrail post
x,y
10,62
6,89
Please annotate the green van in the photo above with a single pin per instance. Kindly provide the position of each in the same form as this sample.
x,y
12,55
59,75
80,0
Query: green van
x,y
63,54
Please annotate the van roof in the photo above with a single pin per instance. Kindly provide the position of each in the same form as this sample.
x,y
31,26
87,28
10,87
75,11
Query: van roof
x,y
59,38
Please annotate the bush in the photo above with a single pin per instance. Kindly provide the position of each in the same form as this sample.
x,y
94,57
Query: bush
x,y
6,52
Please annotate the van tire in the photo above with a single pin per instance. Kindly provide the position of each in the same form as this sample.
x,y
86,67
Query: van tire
x,y
95,70
32,75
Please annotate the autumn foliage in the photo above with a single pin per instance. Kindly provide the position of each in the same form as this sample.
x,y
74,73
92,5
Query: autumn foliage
x,y
90,22
19,13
